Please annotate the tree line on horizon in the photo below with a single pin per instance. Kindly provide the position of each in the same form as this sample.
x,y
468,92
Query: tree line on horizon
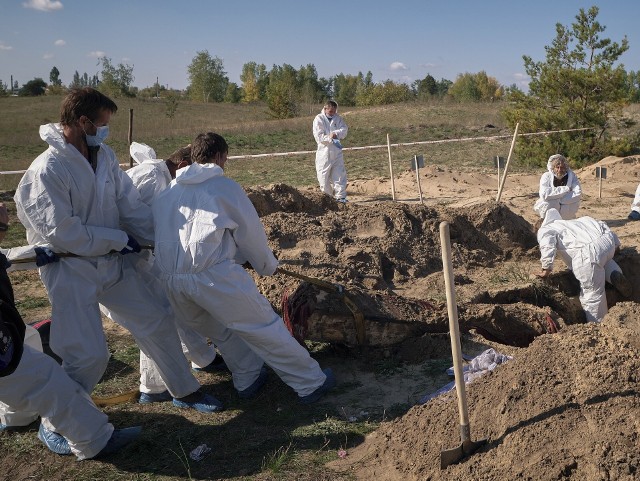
x,y
580,84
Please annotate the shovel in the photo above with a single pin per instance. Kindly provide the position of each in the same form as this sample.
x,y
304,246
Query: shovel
x,y
467,447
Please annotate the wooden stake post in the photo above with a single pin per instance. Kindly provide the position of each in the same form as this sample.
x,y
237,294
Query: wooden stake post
x,y
130,136
393,185
416,163
506,167
601,173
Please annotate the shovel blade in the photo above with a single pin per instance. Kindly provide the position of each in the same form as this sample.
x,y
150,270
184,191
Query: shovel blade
x,y
452,456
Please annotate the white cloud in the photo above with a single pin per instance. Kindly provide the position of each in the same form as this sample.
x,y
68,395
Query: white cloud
x,y
97,54
398,66
429,65
60,43
47,56
5,47
521,80
43,5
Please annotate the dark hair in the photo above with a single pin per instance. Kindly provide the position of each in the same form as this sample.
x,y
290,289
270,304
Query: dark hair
x,y
206,146
183,154
331,103
85,101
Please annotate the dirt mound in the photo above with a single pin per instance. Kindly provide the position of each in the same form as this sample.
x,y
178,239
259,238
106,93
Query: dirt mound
x,y
567,407
284,198
375,251
378,246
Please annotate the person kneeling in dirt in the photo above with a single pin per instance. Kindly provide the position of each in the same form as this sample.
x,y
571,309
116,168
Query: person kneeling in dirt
x,y
560,189
587,246
31,381
635,207
206,229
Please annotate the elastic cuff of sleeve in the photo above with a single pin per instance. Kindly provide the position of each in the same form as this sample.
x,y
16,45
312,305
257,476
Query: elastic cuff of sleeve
x,y
4,227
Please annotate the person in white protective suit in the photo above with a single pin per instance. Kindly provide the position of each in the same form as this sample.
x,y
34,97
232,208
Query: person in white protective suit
x,y
329,129
635,206
31,381
206,228
75,198
151,176
560,189
587,247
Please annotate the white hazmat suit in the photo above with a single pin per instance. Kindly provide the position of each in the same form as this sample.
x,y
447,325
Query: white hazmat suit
x,y
564,198
587,246
151,176
200,247
635,206
39,386
63,203
332,175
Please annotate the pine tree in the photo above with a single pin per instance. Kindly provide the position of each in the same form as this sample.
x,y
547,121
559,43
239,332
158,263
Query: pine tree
x,y
579,85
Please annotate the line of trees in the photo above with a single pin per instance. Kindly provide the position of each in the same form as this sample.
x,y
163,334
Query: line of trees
x,y
283,88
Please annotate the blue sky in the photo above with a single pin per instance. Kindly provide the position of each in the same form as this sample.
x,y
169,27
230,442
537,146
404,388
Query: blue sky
x,y
401,40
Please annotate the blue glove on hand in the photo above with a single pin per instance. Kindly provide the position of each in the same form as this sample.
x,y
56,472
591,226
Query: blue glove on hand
x,y
45,256
132,246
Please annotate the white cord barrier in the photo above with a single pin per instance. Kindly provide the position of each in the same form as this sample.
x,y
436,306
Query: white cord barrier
x,y
371,147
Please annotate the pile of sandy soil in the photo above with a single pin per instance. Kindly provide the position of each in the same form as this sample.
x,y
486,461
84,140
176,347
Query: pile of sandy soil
x,y
567,406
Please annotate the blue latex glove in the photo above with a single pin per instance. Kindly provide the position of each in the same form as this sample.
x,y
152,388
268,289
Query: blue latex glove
x,y
45,256
337,143
132,246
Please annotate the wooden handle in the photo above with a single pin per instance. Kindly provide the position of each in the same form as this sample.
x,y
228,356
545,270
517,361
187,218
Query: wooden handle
x,y
454,332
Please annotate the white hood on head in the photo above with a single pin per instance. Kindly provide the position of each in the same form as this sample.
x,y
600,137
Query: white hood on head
x,y
52,134
141,152
198,173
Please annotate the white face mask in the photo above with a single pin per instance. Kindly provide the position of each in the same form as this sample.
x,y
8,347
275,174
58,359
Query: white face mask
x,y
102,133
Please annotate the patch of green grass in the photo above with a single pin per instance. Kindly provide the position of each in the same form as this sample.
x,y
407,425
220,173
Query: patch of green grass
x,y
276,461
511,273
387,367
28,303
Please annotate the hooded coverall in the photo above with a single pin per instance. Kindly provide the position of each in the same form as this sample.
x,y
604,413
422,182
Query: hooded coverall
x,y
150,177
206,228
565,198
39,385
63,203
587,246
332,175
636,201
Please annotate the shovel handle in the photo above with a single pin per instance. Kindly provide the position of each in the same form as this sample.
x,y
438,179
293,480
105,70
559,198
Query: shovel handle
x,y
454,331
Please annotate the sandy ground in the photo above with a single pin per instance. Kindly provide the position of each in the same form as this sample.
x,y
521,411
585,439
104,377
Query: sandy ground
x,y
567,406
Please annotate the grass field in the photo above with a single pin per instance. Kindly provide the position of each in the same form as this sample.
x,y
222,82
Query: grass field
x,y
249,130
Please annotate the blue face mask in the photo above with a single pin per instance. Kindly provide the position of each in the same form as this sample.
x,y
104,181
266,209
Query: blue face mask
x,y
102,133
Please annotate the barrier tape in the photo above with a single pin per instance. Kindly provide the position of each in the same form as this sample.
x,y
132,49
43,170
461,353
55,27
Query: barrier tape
x,y
372,147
